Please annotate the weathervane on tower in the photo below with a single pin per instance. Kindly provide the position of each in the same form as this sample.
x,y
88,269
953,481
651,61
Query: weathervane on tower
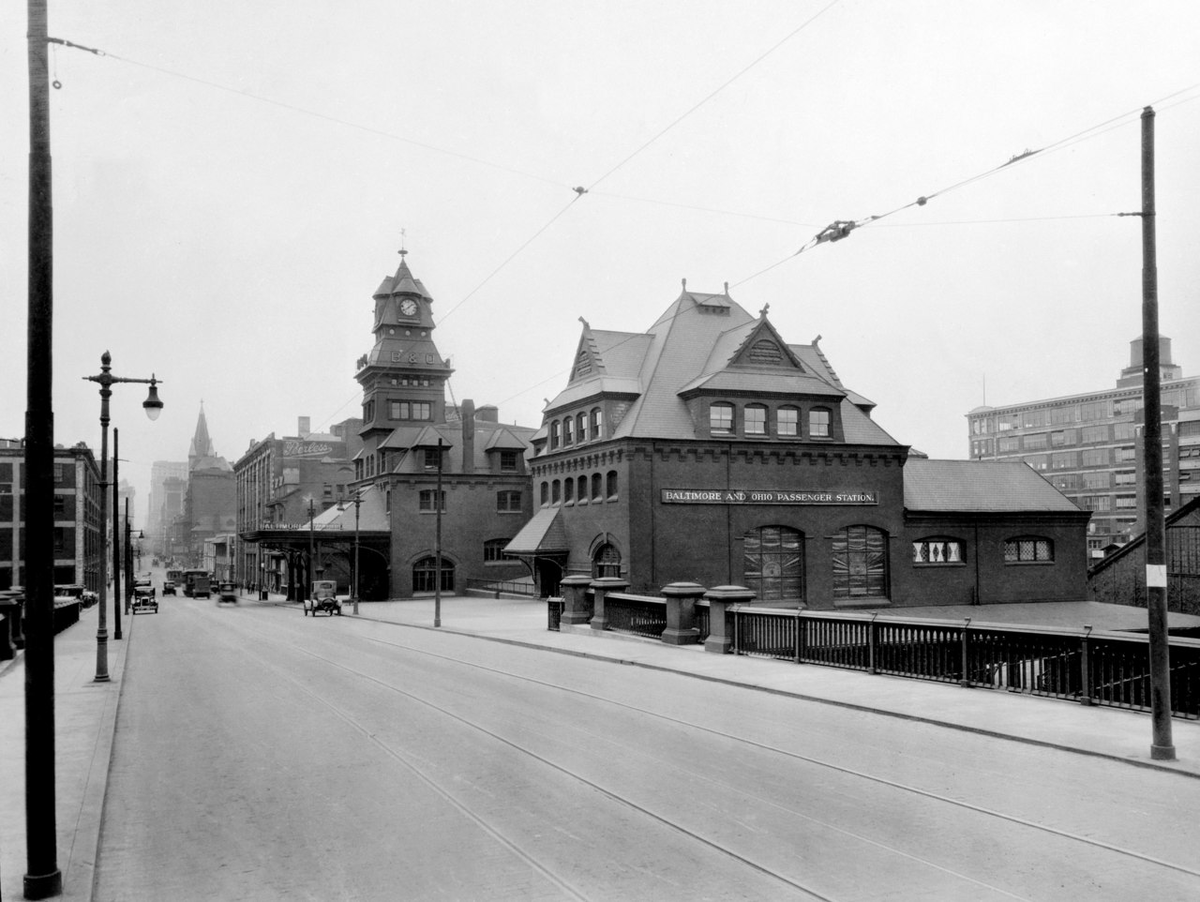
x,y
403,236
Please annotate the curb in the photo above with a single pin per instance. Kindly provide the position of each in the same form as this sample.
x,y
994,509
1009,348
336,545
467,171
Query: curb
x,y
852,706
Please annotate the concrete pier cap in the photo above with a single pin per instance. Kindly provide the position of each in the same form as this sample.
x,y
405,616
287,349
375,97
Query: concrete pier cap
x,y
681,613
600,588
719,599
577,605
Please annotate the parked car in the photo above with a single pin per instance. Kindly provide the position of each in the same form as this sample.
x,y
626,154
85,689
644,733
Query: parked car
x,y
323,598
86,597
144,599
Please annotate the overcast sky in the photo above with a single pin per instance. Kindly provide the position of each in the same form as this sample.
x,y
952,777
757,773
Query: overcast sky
x,y
232,180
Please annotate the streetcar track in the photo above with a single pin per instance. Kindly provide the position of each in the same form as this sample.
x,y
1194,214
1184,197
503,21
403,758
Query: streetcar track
x,y
925,793
614,796
847,771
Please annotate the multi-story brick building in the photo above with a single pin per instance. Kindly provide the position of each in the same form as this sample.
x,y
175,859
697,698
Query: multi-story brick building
x,y
76,515
277,478
710,450
1089,445
413,440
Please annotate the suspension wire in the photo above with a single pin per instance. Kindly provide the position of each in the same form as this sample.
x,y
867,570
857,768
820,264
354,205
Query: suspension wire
x,y
511,257
250,95
842,228
715,92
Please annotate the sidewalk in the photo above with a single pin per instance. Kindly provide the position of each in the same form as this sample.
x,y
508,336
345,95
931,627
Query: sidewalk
x,y
1104,732
85,715
86,711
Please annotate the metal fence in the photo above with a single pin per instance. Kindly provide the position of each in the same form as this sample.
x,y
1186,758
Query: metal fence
x,y
639,615
1103,668
497,587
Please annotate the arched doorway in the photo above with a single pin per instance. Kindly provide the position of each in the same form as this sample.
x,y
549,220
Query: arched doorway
x,y
774,564
424,575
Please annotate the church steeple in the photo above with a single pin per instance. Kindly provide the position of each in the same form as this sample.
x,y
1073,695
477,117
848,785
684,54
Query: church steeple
x,y
202,445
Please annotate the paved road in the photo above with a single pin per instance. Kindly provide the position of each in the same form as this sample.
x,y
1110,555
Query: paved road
x,y
261,754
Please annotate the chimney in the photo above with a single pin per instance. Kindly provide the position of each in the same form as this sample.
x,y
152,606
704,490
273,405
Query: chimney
x,y
304,427
467,414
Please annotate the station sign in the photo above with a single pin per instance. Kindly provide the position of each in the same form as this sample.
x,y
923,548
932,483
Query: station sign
x,y
768,496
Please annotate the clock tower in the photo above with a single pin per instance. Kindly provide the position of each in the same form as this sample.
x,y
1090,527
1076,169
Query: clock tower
x,y
404,377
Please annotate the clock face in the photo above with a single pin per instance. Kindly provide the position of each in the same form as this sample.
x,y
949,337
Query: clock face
x,y
408,307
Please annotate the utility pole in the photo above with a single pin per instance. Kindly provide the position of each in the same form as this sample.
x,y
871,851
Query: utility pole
x,y
43,878
437,544
1162,747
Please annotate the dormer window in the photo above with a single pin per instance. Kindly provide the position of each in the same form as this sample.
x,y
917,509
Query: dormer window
x,y
818,423
756,419
720,418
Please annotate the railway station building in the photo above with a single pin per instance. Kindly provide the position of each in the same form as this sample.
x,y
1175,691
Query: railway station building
x,y
710,449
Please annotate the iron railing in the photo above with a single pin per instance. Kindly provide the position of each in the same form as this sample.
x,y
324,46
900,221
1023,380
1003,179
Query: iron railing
x,y
1103,668
636,614
497,587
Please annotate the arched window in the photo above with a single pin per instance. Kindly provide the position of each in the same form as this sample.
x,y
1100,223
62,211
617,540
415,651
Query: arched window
x,y
612,484
1028,550
860,567
597,419
555,492
818,422
720,417
755,419
773,563
568,431
568,489
787,421
554,441
606,562
581,427
597,487
583,493
424,575
545,493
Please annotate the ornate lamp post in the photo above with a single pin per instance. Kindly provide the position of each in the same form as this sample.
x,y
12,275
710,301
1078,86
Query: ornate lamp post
x,y
153,407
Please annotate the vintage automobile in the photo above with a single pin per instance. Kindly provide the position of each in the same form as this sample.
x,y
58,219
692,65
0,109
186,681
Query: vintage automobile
x,y
168,587
323,598
144,598
86,597
227,594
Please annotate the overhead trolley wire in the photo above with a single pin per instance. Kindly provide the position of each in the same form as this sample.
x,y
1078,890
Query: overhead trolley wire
x,y
842,228
714,92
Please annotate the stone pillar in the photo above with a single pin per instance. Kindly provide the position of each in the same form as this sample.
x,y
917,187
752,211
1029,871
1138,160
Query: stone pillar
x,y
577,606
719,599
681,613
600,588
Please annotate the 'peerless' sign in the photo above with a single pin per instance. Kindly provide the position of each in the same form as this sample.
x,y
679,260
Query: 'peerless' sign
x,y
766,496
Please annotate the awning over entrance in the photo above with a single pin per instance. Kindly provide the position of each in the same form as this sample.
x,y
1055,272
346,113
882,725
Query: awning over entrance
x,y
543,536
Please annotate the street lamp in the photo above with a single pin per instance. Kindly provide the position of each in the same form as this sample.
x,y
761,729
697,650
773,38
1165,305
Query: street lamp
x,y
357,502
153,407
310,570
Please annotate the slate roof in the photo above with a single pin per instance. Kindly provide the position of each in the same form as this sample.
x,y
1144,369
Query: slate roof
x,y
979,486
371,514
489,436
699,342
543,534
